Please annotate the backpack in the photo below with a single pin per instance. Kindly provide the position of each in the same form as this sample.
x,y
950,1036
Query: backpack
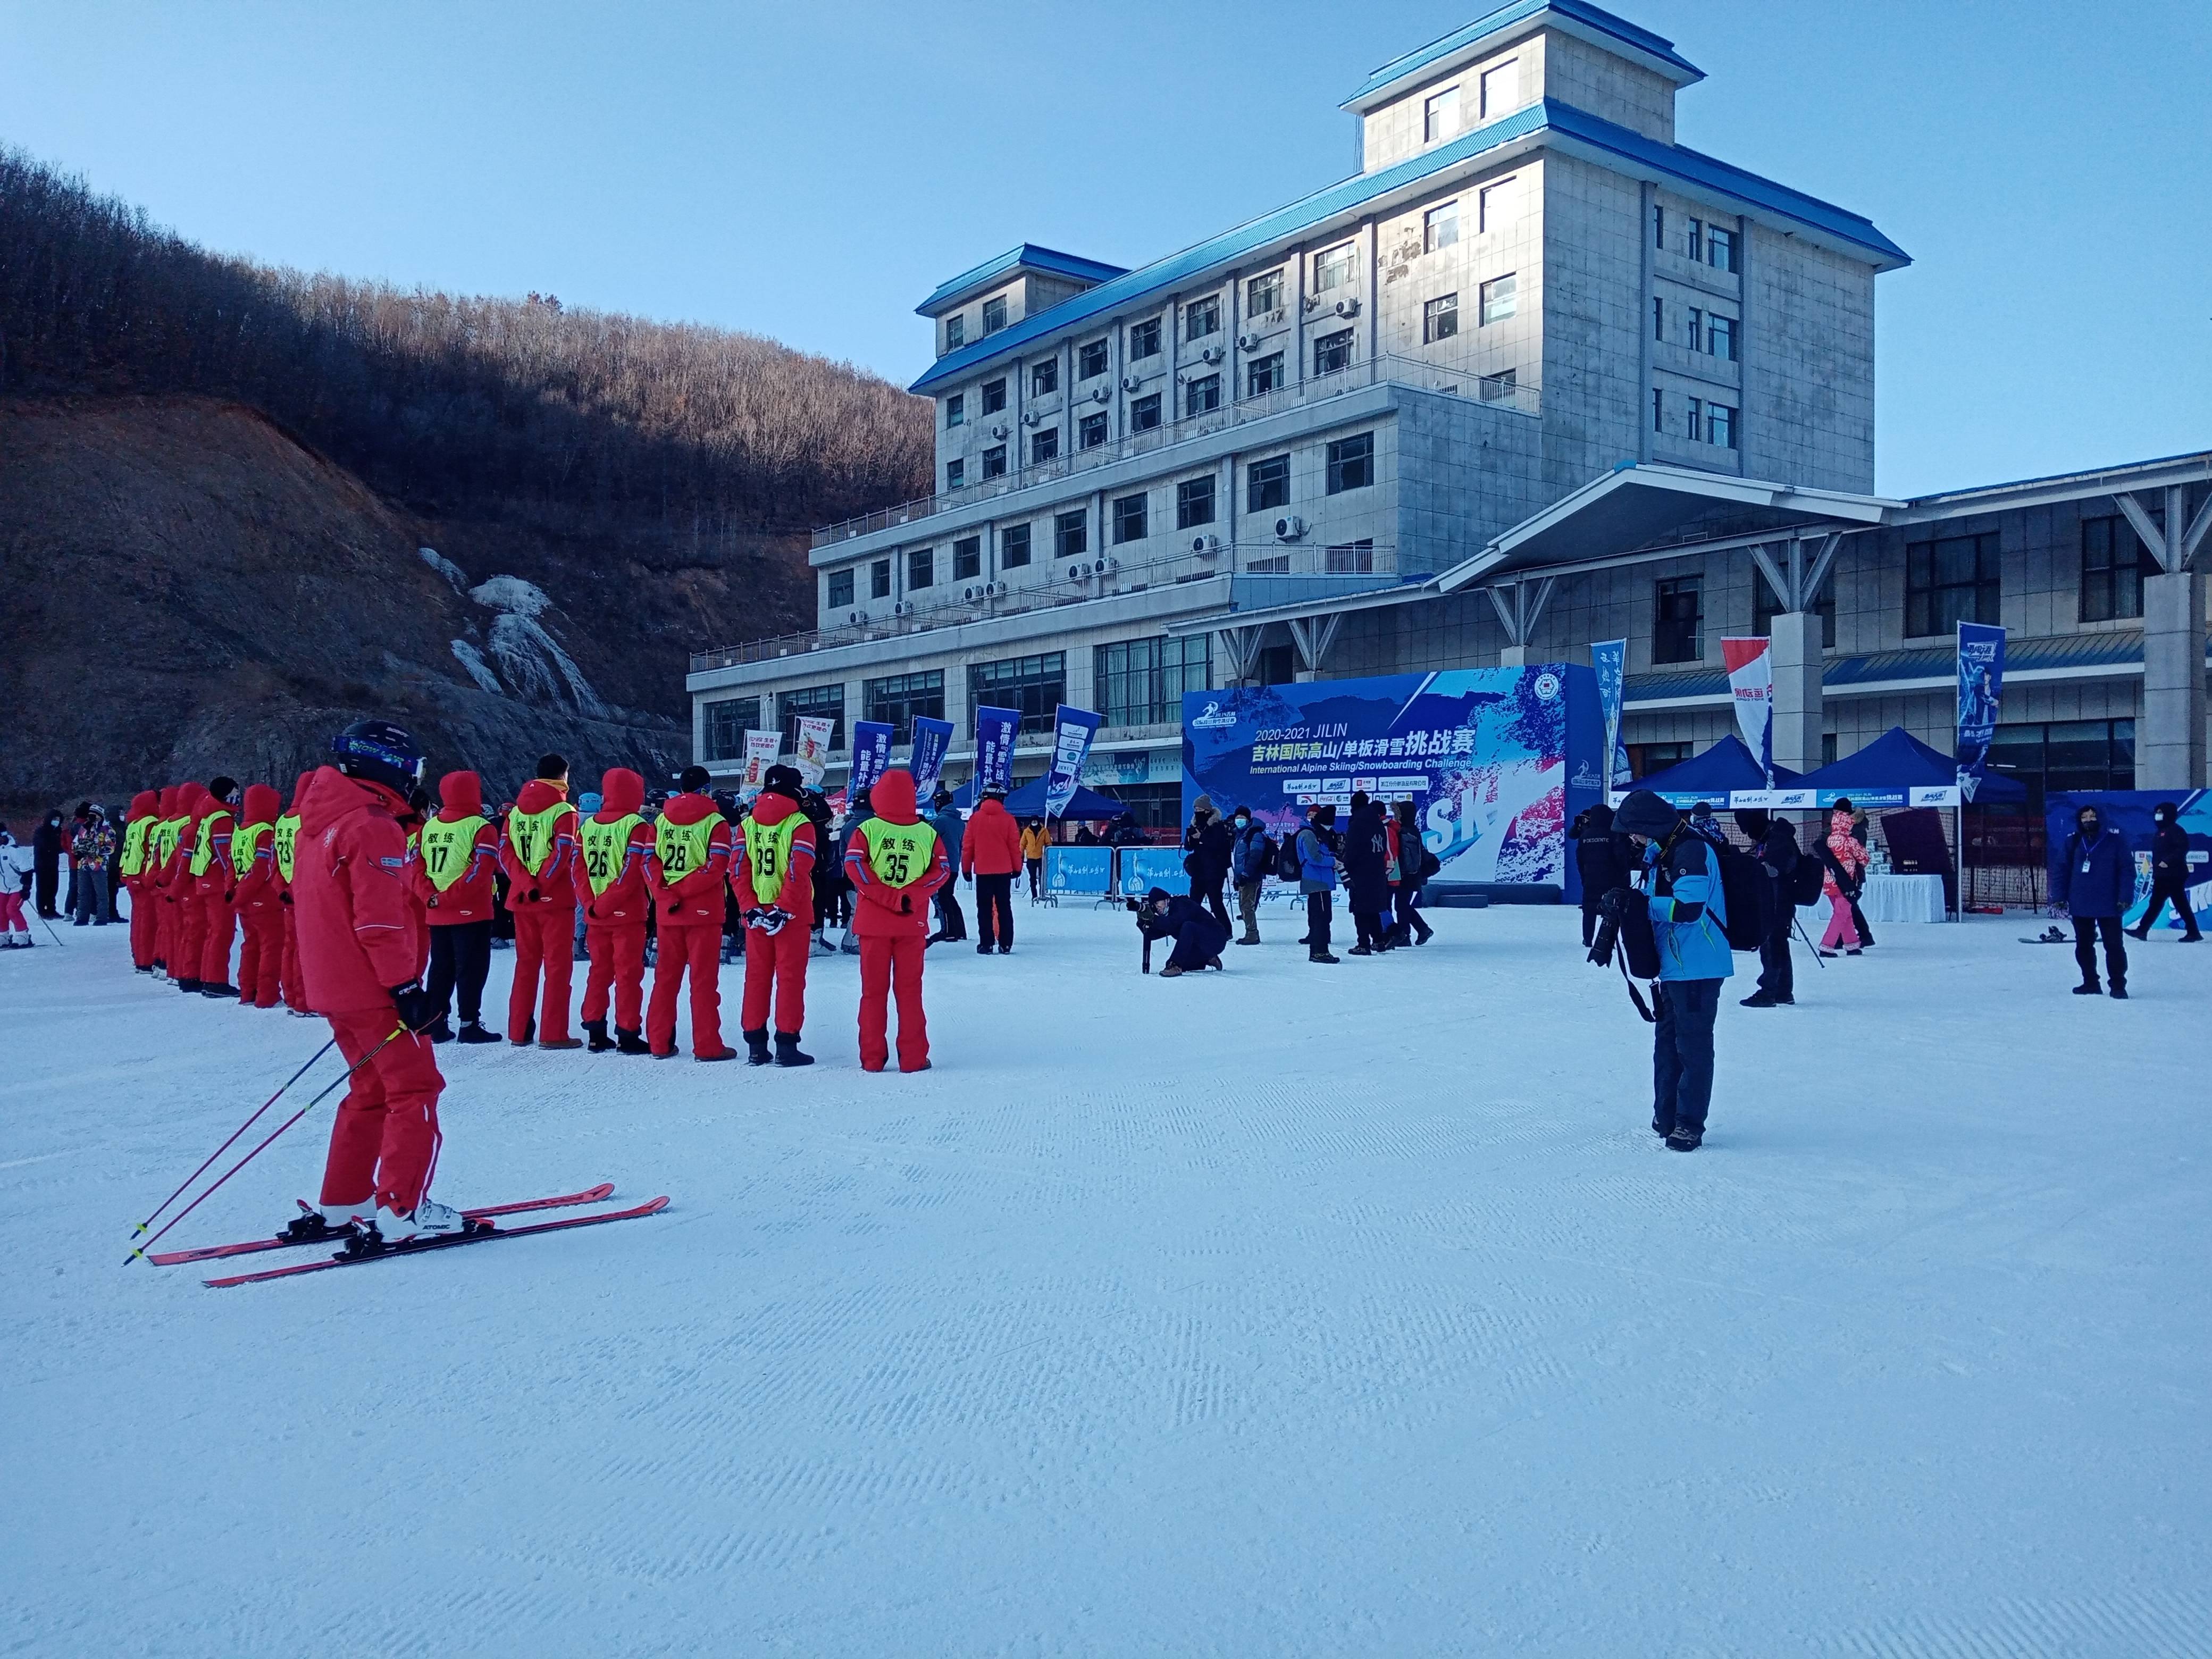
x,y
1748,895
1430,865
1805,881
1288,865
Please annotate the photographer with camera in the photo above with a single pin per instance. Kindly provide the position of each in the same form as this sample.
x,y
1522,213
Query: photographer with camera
x,y
1687,914
1198,938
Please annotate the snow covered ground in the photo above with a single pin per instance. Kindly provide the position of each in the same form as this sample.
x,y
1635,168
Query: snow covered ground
x,y
1291,1310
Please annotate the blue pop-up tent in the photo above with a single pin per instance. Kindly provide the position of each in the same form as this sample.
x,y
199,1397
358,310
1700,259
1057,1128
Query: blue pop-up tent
x,y
1887,770
1728,765
1028,801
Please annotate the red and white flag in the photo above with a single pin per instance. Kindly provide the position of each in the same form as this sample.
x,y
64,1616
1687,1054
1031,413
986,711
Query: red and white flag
x,y
1751,682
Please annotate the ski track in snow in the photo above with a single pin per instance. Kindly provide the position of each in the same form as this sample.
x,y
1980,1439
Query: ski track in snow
x,y
1290,1310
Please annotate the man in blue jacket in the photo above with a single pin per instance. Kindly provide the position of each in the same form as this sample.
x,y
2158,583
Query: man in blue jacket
x,y
2094,881
952,921
1689,922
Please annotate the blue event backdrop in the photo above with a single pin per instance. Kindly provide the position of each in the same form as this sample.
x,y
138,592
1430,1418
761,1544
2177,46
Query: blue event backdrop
x,y
2129,811
1497,761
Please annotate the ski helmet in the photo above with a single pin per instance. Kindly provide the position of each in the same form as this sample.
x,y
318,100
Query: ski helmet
x,y
378,752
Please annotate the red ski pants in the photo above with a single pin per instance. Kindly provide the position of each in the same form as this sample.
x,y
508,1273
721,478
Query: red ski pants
x,y
145,944
293,987
885,961
261,959
777,959
385,1139
187,933
617,951
218,919
545,938
699,951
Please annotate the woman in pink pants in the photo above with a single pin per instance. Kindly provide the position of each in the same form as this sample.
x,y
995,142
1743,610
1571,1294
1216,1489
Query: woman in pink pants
x,y
1848,856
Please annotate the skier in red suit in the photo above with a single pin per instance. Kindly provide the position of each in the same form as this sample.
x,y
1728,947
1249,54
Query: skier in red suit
x,y
286,839
454,879
140,845
691,857
774,880
213,882
187,931
895,862
258,898
615,851
537,853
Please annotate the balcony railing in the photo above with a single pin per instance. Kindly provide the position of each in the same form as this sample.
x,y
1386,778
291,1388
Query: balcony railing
x,y
1496,391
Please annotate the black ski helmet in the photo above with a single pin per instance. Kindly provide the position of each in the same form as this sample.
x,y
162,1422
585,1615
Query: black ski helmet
x,y
378,752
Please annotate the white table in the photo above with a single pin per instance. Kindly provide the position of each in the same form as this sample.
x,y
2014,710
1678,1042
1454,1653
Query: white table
x,y
1903,898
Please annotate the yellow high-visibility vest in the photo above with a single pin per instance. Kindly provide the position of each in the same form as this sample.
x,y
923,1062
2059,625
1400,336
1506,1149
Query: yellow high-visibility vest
x,y
244,841
532,834
203,847
447,849
683,847
768,848
288,836
135,835
605,847
898,853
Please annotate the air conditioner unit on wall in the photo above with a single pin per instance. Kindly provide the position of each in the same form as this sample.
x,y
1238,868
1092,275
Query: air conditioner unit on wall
x,y
1030,417
1131,383
1347,307
1290,527
1212,354
1100,394
1247,343
1205,546
998,429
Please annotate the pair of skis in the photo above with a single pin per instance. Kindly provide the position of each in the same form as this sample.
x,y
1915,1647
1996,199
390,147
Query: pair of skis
x,y
483,1227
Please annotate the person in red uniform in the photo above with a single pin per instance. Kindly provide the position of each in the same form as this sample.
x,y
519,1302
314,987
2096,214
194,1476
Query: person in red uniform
x,y
150,885
541,894
213,883
774,881
139,845
455,876
258,898
691,857
358,952
285,840
616,850
991,853
895,862
187,936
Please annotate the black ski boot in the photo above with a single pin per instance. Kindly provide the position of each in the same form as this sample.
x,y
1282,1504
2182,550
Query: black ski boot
x,y
473,1030
600,1042
189,986
230,991
757,1047
439,1029
786,1050
629,1042
1684,1138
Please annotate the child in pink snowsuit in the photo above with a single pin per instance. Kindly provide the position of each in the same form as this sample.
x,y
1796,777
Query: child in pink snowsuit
x,y
1851,858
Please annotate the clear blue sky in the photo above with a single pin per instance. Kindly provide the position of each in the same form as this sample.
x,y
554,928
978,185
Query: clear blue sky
x,y
809,172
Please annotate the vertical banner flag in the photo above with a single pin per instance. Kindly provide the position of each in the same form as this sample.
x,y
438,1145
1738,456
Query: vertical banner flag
x,y
1750,666
811,752
1981,690
931,739
872,756
1072,730
761,750
994,747
1610,659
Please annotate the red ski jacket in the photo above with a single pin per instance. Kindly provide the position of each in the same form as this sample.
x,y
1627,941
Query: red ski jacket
x,y
472,886
552,882
993,844
624,900
886,911
258,888
356,925
794,894
696,897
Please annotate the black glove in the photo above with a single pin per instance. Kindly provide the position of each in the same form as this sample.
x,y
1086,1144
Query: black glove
x,y
418,1009
1614,902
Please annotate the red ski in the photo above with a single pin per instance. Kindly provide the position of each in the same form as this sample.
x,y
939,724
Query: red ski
x,y
446,1242
286,1241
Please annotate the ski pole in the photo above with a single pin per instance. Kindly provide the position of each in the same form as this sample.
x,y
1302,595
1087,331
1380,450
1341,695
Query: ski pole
x,y
234,1135
49,927
1798,922
142,1249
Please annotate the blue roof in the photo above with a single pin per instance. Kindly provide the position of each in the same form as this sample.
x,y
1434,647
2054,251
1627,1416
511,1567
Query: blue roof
x,y
1132,288
1729,764
1898,760
1505,17
1028,254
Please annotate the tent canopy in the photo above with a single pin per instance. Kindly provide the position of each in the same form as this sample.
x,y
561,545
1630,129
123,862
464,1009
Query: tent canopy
x,y
1028,801
1897,761
1728,765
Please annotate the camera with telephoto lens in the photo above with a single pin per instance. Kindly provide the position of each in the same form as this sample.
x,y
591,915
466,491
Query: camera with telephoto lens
x,y
1624,925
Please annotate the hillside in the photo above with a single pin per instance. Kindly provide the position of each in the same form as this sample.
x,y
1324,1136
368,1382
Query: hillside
x,y
215,479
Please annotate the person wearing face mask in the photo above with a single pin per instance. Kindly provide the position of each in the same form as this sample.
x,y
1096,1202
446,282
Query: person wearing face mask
x,y
2169,874
2094,881
1251,856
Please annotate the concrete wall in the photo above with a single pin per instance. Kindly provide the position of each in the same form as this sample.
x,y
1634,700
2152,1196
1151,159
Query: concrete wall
x,y
1809,415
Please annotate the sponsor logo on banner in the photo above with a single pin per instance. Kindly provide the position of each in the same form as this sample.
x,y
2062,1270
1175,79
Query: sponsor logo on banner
x,y
761,750
1545,686
994,747
1212,718
1073,729
1609,657
1751,682
811,752
932,738
872,756
1940,794
1981,695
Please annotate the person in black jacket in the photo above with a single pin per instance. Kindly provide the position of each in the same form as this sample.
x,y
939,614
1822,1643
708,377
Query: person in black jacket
x,y
46,862
2169,873
1198,938
1209,846
1366,856
1774,846
1601,860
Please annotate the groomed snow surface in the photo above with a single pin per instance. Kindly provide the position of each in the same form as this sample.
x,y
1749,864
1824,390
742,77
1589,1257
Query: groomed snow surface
x,y
1287,1310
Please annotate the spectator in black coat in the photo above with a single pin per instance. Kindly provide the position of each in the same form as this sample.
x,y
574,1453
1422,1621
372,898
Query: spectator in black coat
x,y
1199,937
1366,856
1774,847
2169,874
1601,860
46,862
1209,845
2095,880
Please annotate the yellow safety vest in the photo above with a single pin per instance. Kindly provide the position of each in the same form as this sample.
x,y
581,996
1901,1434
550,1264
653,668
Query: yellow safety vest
x,y
768,848
531,833
245,842
682,847
168,834
135,835
448,848
288,836
605,847
898,853
203,847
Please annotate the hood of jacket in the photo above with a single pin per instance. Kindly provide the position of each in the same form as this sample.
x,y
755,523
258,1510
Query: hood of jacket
x,y
621,792
300,791
145,804
893,797
260,805
461,795
331,794
770,808
1646,815
539,793
1839,824
168,808
193,802
688,809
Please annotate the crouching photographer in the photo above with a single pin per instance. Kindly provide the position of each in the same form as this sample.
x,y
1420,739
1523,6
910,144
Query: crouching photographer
x,y
1673,929
1198,935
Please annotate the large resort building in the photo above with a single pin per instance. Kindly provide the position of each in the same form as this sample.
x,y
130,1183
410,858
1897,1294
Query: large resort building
x,y
1536,375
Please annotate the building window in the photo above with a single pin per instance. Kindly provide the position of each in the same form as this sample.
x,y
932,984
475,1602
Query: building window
x,y
1500,298
920,568
1332,352
1694,419
1950,581
1090,431
1720,248
1268,483
1202,396
1696,332
2114,562
1044,377
1440,318
1647,759
1720,425
1201,318
1263,374
1764,608
956,331
880,580
956,474
1501,89
1013,546
1090,360
1658,410
1044,445
1071,535
1720,337
995,461
1440,115
994,395
1034,685
1497,203
726,723
1145,339
1678,620
2066,755
1131,518
841,590
815,702
967,558
897,700
1141,682
956,409
1659,227
1502,387
1350,464
994,314
1144,413
1333,269
1194,503
1658,319
1349,558
1693,239
1440,227
1264,294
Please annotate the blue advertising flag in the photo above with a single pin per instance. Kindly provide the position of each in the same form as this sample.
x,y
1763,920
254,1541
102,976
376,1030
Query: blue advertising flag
x,y
994,747
1072,730
931,739
1981,691
872,756
1610,659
